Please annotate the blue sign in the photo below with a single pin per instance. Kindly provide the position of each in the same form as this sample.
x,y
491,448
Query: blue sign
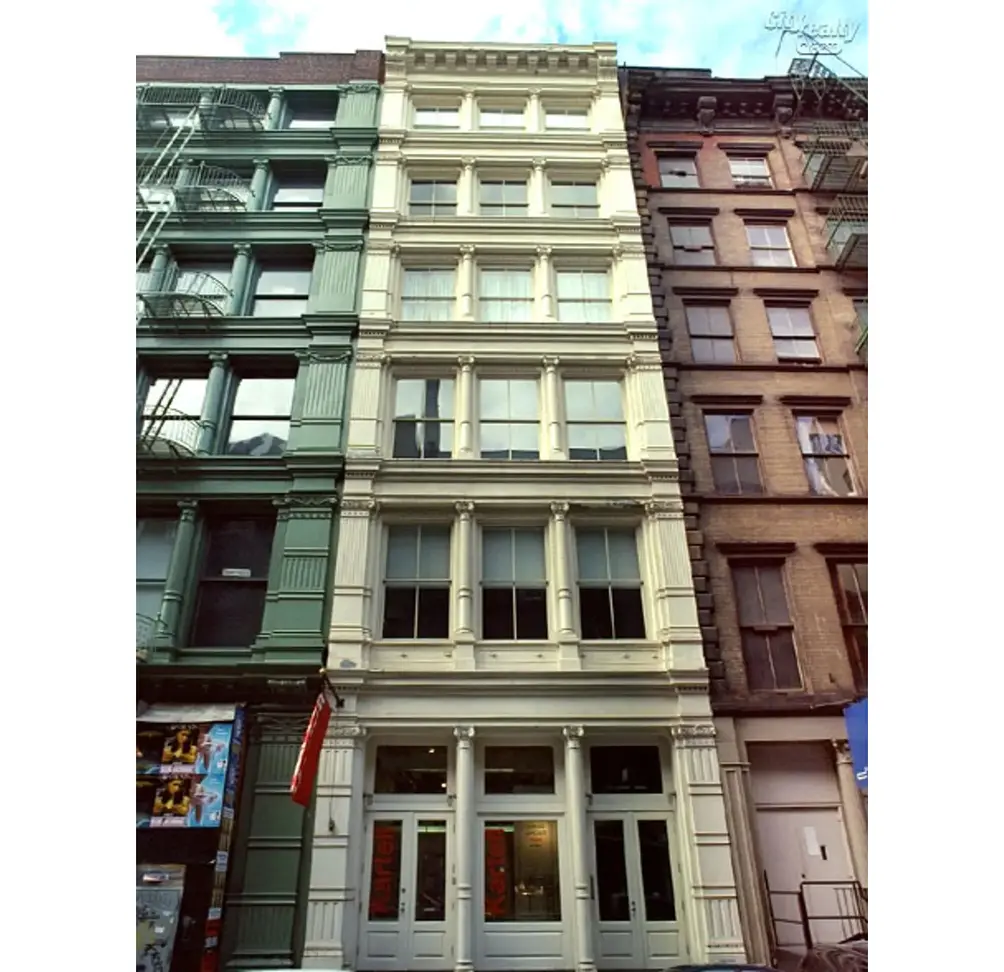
x,y
856,717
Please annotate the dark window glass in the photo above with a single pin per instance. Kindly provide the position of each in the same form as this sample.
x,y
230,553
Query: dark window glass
x,y
625,769
610,604
411,769
521,871
430,871
385,871
766,628
656,872
417,583
519,769
611,871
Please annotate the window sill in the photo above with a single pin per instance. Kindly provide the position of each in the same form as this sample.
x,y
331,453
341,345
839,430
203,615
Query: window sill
x,y
861,500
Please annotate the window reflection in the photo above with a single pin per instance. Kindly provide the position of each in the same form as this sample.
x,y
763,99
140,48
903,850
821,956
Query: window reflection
x,y
411,769
521,871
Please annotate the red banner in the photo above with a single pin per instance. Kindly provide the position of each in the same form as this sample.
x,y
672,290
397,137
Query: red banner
x,y
302,784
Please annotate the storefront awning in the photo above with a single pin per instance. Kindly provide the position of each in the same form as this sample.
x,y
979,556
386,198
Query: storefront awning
x,y
176,714
856,717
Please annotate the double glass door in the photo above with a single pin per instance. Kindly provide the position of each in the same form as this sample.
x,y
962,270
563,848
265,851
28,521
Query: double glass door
x,y
406,911
633,891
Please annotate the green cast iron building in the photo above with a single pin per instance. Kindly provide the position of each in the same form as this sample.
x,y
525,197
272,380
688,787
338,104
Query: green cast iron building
x,y
253,181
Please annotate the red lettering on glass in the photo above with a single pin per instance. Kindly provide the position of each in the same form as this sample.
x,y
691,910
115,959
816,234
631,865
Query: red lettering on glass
x,y
496,867
385,881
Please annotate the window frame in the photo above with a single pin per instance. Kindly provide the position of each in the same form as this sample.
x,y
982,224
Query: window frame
x,y
851,629
426,375
174,522
825,415
436,110
225,420
758,563
508,268
568,423
260,269
709,248
430,267
566,111
772,306
711,340
477,421
500,210
449,211
753,250
388,524
747,181
608,302
573,210
633,528
734,413
676,157
505,111
512,526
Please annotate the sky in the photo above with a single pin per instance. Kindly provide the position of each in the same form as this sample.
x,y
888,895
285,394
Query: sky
x,y
728,36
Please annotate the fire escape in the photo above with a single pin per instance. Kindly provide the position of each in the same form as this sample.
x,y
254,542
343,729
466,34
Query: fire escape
x,y
836,163
173,125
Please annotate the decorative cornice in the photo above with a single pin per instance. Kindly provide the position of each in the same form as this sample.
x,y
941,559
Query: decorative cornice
x,y
755,549
746,148
371,359
348,159
678,145
338,246
720,398
361,87
765,215
644,362
796,295
827,402
706,293
835,549
688,212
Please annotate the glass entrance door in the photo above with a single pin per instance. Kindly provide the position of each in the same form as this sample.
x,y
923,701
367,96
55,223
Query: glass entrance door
x,y
633,891
406,914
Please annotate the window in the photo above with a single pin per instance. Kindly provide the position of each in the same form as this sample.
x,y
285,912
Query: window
x,y
794,338
503,198
298,193
172,413
233,581
513,586
734,465
616,770
566,118
428,295
583,296
609,585
595,415
711,337
692,245
505,295
437,118
827,464
259,425
574,200
502,118
433,197
423,418
411,769
509,419
754,173
769,246
613,899
310,112
518,770
521,871
154,546
206,279
765,627
281,292
417,586
850,585
678,172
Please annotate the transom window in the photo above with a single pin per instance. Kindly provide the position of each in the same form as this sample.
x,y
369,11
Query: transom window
x,y
509,418
735,467
437,118
794,338
693,245
503,197
519,769
433,197
428,295
281,292
423,418
583,296
505,295
827,463
610,604
752,172
502,118
766,628
259,424
574,200
678,172
566,118
417,582
769,245
513,585
594,412
411,769
711,337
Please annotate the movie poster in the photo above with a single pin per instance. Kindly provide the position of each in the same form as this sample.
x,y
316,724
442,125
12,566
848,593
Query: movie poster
x,y
159,890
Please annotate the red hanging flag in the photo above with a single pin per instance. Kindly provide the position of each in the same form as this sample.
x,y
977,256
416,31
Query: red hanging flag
x,y
302,784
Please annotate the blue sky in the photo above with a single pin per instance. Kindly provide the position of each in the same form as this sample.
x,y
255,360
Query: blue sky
x,y
728,36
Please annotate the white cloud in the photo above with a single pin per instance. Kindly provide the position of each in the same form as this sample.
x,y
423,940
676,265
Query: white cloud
x,y
189,27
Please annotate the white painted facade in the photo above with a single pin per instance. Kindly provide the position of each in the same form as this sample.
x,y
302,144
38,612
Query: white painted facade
x,y
582,702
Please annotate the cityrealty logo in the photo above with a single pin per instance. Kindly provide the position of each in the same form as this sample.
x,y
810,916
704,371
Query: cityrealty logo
x,y
810,37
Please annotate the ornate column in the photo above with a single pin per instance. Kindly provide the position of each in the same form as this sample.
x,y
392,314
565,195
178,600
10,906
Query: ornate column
x,y
347,182
545,285
466,117
273,116
334,281
653,438
710,911
259,185
212,404
350,628
465,824
463,627
538,187
159,266
567,632
853,811
552,404
465,408
319,400
465,188
575,809
357,105
466,282
337,839
177,576
239,279
535,120
365,439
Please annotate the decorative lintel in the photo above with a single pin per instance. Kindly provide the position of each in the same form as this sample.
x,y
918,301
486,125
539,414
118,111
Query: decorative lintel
x,y
793,295
827,402
765,215
834,549
746,148
730,400
694,294
755,549
688,212
679,145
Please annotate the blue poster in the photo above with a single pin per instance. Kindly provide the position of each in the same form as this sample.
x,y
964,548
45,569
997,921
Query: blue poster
x,y
856,717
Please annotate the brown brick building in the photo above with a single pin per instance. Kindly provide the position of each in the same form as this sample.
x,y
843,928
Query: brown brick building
x,y
753,209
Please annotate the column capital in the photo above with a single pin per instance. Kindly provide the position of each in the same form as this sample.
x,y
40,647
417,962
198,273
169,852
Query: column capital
x,y
693,736
188,509
559,511
842,751
242,249
260,163
468,163
550,362
544,252
276,90
535,92
464,734
539,165
357,506
466,362
469,94
467,251
162,248
572,735
664,509
465,508
219,358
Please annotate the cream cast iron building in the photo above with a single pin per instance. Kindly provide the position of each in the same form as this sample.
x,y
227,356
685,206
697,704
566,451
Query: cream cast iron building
x,y
524,772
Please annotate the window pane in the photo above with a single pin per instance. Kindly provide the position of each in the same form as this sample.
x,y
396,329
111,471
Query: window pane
x,y
529,557
523,401
592,555
628,613
578,401
611,871
298,195
411,769
282,282
434,553
571,119
656,873
748,603
187,399
625,769
611,442
498,616
494,399
775,601
258,437
243,545
524,441
521,871
519,769
228,614
430,871
494,441
264,396
402,553
399,610
424,398
497,556
282,307
154,545
623,555
193,280
385,870
506,284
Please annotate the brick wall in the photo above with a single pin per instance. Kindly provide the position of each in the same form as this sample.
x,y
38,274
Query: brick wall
x,y
786,514
284,69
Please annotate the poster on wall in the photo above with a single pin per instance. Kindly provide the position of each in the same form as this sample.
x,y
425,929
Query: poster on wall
x,y
181,773
158,905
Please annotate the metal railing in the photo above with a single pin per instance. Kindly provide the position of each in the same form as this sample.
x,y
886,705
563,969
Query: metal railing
x,y
851,900
847,231
192,187
171,432
836,156
218,108
191,294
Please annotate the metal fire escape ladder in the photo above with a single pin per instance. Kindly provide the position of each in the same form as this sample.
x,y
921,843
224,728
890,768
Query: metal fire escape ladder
x,y
153,424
